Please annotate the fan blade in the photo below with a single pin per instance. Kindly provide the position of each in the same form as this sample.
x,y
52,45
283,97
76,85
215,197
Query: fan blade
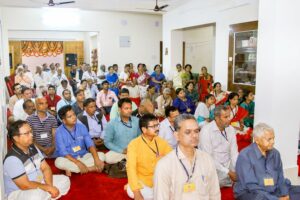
x,y
143,9
65,2
164,6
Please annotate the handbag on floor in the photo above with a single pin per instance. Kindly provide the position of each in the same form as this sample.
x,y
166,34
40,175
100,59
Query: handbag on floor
x,y
117,170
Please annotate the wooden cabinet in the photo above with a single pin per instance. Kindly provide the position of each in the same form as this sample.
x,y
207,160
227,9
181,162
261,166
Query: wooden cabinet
x,y
242,56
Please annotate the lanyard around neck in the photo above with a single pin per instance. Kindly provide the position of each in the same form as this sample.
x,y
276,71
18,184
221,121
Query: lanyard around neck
x,y
155,152
28,155
70,133
189,177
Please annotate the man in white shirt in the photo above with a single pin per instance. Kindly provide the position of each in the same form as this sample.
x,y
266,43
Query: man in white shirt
x,y
89,74
19,112
166,129
218,139
57,78
186,173
63,86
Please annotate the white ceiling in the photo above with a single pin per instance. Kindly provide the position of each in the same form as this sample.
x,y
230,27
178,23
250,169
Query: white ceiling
x,y
108,5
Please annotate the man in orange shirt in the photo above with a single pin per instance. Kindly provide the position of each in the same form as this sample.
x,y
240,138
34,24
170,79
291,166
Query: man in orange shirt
x,y
142,155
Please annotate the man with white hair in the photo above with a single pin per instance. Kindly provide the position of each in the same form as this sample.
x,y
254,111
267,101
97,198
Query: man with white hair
x,y
259,170
57,78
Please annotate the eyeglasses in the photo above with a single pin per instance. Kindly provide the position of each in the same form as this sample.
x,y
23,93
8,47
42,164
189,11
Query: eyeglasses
x,y
154,126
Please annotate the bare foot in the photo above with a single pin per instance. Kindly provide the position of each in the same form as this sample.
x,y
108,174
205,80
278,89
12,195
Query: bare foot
x,y
68,173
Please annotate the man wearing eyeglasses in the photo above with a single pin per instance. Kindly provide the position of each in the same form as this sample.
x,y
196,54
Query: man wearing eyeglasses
x,y
120,131
26,173
142,155
259,170
94,121
186,173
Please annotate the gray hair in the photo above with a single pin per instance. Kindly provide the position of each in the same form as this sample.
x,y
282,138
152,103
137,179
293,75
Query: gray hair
x,y
261,128
219,109
180,118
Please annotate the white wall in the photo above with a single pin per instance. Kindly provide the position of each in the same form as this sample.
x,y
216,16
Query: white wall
x,y
195,13
145,35
199,47
278,75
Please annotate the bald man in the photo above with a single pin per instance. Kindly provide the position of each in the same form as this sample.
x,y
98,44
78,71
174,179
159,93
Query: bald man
x,y
146,107
43,126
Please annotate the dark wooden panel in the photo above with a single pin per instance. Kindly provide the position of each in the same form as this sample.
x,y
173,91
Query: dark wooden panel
x,y
247,26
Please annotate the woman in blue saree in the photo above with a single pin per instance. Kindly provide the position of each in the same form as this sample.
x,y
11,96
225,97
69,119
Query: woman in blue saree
x,y
157,78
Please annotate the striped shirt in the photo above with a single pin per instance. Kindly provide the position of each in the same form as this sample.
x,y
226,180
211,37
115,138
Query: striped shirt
x,y
17,164
42,130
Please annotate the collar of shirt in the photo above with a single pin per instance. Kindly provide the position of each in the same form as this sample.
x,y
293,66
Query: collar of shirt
x,y
258,153
47,115
85,114
181,155
215,127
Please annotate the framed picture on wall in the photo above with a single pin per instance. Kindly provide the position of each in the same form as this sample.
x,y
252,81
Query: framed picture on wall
x,y
71,59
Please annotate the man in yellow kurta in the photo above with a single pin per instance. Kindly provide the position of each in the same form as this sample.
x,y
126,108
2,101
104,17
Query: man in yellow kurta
x,y
142,155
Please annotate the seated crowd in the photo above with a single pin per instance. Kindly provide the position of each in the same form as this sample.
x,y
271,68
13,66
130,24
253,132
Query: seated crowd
x,y
178,137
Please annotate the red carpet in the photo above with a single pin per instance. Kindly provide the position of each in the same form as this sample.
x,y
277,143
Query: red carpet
x,y
94,186
298,165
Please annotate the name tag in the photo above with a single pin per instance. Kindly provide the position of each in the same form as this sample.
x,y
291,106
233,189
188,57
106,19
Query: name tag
x,y
268,182
189,187
40,178
77,148
44,135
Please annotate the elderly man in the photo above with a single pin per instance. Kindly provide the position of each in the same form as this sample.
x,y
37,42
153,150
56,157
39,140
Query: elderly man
x,y
259,170
145,107
26,172
145,149
43,126
218,139
186,173
57,78
120,131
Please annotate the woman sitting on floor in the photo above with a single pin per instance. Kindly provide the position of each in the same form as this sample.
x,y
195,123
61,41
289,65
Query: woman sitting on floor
x,y
191,92
220,95
204,111
204,84
183,103
237,113
142,79
249,105
157,78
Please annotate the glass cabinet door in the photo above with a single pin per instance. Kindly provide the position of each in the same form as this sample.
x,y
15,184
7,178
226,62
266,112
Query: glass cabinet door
x,y
244,59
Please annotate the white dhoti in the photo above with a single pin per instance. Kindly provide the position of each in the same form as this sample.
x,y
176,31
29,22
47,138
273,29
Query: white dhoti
x,y
61,182
113,157
147,192
65,164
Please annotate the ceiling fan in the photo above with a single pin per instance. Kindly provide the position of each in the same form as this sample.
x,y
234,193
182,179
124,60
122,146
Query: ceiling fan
x,y
156,8
51,3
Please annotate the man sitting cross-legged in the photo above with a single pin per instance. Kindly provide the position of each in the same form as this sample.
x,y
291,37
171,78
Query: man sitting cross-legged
x,y
26,173
120,131
73,143
142,155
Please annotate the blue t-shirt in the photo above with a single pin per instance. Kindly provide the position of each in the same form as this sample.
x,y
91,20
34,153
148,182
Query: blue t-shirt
x,y
75,143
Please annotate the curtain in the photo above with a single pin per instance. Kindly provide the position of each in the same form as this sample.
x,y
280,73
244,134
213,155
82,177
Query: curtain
x,y
41,48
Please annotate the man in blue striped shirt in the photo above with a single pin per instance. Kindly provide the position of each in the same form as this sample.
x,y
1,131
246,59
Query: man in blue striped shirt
x,y
43,126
